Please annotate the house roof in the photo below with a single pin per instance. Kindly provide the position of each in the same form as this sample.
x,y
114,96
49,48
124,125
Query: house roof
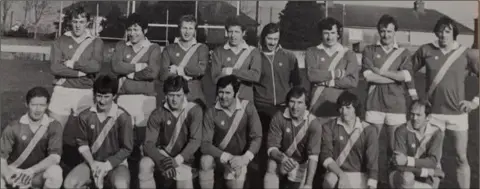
x,y
407,18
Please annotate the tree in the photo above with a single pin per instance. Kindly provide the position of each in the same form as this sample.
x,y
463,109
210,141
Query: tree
x,y
6,5
26,8
40,7
298,23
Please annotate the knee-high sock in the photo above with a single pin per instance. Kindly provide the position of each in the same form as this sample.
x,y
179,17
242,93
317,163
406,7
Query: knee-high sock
x,y
206,179
271,181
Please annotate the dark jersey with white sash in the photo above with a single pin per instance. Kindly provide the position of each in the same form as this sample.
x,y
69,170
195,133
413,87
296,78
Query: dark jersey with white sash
x,y
363,155
389,98
88,61
18,134
177,133
426,149
248,71
325,88
446,96
217,123
284,133
117,144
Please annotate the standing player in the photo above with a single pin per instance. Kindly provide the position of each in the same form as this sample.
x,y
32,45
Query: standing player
x,y
105,140
232,136
31,147
447,64
418,150
349,148
294,142
137,63
76,58
279,74
174,134
331,69
187,58
387,67
237,58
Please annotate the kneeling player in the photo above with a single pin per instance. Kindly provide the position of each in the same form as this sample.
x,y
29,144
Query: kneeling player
x,y
232,134
349,148
31,147
418,150
293,143
174,134
105,140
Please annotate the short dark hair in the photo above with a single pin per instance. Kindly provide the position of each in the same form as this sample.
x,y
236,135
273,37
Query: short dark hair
x,y
297,92
234,21
424,103
76,12
138,19
175,83
228,80
385,20
443,22
347,98
37,92
187,18
328,23
268,29
105,84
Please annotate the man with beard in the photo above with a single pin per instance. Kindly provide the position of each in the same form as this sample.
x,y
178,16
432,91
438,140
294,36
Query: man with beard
x,y
137,63
31,147
76,59
349,148
331,69
105,139
174,134
237,58
232,136
447,64
294,140
187,58
418,150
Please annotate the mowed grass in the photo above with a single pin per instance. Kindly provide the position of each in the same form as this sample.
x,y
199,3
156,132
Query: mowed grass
x,y
19,76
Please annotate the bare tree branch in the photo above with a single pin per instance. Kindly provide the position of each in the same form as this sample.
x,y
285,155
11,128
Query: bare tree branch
x,y
6,6
40,7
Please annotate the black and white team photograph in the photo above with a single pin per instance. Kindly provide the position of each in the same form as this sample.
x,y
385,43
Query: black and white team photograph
x,y
239,94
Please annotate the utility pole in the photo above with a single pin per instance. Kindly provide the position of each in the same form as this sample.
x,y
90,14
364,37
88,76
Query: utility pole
x,y
256,15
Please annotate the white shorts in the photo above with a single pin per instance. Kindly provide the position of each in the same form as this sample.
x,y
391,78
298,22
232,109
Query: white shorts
x,y
138,106
417,184
298,174
381,118
66,101
357,179
231,175
450,122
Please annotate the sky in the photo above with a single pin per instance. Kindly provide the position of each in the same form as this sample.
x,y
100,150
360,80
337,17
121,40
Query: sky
x,y
464,11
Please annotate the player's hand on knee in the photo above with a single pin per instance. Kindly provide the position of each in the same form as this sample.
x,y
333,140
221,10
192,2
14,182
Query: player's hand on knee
x,y
239,161
288,165
170,173
168,163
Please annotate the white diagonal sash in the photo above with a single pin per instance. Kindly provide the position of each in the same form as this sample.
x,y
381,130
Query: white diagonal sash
x,y
103,134
333,65
423,144
387,64
31,145
303,131
441,73
189,55
350,143
134,60
242,58
178,126
76,55
234,126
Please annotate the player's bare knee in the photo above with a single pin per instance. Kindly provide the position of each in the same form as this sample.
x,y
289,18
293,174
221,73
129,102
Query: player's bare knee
x,y
206,162
146,165
330,180
408,178
272,166
53,177
72,182
121,184
462,159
